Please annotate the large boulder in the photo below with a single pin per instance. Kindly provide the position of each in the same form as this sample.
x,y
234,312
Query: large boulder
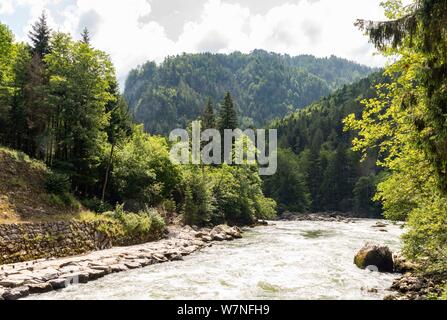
x,y
375,257
16,293
224,232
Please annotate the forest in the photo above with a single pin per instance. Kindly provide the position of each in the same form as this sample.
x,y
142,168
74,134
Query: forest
x,y
352,139
60,103
264,86
317,170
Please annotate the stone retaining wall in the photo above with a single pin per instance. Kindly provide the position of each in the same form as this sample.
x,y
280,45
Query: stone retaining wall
x,y
25,242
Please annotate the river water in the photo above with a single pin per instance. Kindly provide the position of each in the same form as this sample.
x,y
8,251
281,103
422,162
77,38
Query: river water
x,y
286,260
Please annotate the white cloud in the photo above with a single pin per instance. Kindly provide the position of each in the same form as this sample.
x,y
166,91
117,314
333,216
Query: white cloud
x,y
129,33
224,22
6,7
320,28
119,31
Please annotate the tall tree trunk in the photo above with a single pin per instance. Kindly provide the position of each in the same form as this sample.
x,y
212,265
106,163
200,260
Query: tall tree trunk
x,y
106,179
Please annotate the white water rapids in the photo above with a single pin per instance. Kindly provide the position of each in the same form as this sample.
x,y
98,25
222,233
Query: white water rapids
x,y
285,260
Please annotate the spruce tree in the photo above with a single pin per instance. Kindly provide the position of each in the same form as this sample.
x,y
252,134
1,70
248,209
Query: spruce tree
x,y
85,35
228,116
40,37
208,119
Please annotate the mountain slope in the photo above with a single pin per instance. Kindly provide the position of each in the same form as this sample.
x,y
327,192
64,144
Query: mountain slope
x,y
333,176
264,86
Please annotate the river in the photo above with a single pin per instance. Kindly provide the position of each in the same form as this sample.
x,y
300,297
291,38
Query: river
x,y
285,260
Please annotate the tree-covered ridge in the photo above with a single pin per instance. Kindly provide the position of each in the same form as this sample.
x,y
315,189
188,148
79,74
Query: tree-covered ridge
x,y
264,86
60,104
321,173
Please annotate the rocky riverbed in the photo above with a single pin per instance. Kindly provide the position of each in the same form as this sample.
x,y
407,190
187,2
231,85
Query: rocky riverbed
x,y
412,286
22,279
323,216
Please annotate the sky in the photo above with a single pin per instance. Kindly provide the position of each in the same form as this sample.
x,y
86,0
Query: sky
x,y
135,31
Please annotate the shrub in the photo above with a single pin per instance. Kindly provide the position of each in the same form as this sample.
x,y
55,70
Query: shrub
x,y
198,204
62,200
265,207
143,223
143,172
426,240
57,183
231,194
169,205
97,205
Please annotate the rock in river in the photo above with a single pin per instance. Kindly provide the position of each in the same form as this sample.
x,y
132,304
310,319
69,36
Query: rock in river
x,y
375,256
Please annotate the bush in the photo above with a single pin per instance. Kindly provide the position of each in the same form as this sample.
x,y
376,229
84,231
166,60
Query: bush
x,y
57,183
97,205
62,200
169,205
426,240
265,207
225,194
198,204
143,223
143,173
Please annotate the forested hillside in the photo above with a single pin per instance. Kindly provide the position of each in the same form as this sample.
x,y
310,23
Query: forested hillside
x,y
264,86
60,104
317,171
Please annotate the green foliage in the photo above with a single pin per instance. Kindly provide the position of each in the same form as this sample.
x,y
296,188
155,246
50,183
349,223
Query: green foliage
x,y
40,37
228,116
238,194
7,56
199,203
143,171
406,124
426,240
85,35
288,185
225,194
62,200
364,192
144,223
328,177
57,183
208,118
78,87
60,103
264,86
96,205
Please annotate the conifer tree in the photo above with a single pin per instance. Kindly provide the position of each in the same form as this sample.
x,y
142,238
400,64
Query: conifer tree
x,y
228,116
40,37
208,119
85,35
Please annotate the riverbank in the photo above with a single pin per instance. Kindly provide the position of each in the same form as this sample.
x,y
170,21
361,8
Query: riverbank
x,y
22,279
412,286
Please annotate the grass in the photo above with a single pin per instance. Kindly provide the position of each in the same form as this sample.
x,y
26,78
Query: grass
x,y
23,196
